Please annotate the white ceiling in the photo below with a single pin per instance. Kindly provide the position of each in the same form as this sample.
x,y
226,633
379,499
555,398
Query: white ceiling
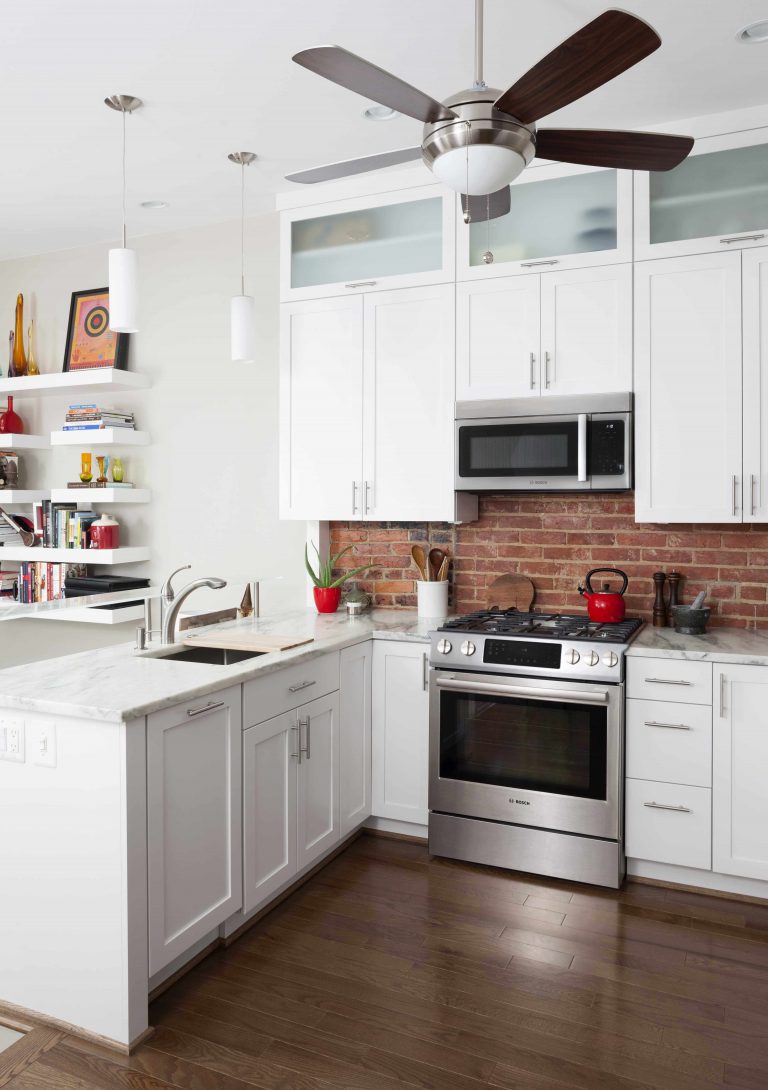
x,y
216,76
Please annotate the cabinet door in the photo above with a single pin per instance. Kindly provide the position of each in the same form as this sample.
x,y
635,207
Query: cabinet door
x,y
400,741
321,409
270,755
409,398
586,330
355,737
318,778
688,409
754,274
739,761
497,338
193,821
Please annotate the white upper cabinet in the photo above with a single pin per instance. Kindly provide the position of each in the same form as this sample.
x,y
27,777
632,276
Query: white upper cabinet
x,y
688,389
717,199
497,338
562,217
369,243
754,274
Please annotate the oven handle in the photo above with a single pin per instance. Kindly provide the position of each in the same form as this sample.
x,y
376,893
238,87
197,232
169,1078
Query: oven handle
x,y
568,696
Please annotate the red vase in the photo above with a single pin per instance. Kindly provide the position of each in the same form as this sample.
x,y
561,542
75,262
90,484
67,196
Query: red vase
x,y
327,599
11,422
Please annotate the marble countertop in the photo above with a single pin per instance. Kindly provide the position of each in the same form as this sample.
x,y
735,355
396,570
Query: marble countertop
x,y
119,683
718,644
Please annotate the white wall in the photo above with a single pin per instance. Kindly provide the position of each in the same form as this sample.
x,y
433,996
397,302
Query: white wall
x,y
212,465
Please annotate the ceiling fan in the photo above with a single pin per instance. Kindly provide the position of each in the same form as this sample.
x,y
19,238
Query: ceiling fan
x,y
479,140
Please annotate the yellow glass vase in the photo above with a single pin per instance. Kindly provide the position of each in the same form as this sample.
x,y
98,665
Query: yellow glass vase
x,y
32,368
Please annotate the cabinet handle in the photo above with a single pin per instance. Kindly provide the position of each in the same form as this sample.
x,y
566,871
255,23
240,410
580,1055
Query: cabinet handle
x,y
533,370
752,483
530,264
734,488
667,726
665,806
367,501
355,487
304,721
741,238
722,696
297,754
665,681
361,284
206,708
300,686
425,671
546,369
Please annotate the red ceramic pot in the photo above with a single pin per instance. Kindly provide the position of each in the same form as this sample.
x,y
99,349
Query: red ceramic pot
x,y
105,533
327,599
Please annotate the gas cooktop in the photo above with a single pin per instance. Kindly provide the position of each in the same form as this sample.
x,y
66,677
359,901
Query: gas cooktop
x,y
543,626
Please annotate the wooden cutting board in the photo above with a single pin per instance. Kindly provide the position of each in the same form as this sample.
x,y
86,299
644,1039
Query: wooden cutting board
x,y
244,640
510,592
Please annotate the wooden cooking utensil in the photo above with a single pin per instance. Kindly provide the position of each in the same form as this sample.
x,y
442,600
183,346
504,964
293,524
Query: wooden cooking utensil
x,y
436,558
511,592
442,574
420,560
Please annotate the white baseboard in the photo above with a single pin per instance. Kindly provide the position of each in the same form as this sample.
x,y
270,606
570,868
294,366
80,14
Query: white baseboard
x,y
701,879
401,828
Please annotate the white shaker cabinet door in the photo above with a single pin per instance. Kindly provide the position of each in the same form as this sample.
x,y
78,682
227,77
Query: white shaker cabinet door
x,y
355,736
754,274
270,756
400,731
688,389
497,338
409,399
321,409
193,821
318,778
586,330
739,763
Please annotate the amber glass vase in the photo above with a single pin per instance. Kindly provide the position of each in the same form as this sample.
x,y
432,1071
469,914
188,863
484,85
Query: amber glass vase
x,y
19,358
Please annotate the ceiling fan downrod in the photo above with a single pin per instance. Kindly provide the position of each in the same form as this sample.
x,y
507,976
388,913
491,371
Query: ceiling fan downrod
x,y
479,83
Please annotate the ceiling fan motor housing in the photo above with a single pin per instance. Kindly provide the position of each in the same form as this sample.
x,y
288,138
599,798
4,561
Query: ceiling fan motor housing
x,y
508,145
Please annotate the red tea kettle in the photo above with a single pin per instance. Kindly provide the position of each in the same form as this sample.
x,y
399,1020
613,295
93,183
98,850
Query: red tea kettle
x,y
605,605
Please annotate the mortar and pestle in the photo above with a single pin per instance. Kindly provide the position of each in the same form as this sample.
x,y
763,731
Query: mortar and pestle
x,y
692,620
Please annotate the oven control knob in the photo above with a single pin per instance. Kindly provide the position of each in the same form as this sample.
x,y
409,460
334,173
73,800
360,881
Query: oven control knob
x,y
444,646
572,656
610,659
468,648
592,658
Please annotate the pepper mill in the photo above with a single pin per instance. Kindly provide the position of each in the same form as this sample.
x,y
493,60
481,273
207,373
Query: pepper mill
x,y
674,586
659,609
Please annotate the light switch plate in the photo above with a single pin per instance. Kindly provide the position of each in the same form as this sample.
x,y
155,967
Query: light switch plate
x,y
12,740
42,744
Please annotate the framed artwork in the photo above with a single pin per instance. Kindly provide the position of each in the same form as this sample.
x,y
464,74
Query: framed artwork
x,y
90,341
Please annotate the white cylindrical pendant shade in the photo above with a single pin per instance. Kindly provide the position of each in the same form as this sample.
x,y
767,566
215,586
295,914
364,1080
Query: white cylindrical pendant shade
x,y
123,291
243,328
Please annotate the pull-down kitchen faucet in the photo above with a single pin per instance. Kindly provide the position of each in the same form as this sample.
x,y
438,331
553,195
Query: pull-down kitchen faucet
x,y
173,603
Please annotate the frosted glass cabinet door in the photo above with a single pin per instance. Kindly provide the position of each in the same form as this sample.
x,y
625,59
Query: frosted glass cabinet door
x,y
561,218
395,240
717,199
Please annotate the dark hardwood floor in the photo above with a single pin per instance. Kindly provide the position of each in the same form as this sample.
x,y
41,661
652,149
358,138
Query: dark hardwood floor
x,y
389,970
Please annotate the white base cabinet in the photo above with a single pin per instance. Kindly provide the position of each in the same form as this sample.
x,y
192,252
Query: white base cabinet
x,y
400,739
317,768
193,822
355,736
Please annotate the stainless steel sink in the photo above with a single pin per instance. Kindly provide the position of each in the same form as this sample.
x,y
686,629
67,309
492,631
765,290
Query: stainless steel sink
x,y
215,656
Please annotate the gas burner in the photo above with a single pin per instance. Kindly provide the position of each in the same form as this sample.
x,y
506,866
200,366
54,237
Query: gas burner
x,y
543,626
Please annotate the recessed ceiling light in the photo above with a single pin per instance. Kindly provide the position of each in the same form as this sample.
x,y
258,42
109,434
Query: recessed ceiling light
x,y
753,32
154,204
380,113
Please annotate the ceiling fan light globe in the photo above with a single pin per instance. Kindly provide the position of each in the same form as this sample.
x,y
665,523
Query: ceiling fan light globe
x,y
490,167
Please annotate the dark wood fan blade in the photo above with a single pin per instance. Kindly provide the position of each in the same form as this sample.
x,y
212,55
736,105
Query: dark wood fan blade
x,y
610,148
597,53
487,208
350,71
349,167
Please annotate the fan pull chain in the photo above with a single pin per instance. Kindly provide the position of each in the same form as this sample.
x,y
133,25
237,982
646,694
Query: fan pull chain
x,y
488,255
467,213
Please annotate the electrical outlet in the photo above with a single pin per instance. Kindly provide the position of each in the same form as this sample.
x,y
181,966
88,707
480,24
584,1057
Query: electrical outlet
x,y
42,744
12,740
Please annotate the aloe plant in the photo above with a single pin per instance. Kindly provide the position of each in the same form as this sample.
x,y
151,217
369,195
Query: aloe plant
x,y
324,575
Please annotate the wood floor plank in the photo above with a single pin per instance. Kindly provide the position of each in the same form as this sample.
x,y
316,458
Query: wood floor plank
x,y
25,1051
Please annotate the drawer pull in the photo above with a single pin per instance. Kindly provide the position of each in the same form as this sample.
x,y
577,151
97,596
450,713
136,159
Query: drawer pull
x,y
665,806
206,708
667,726
665,681
300,686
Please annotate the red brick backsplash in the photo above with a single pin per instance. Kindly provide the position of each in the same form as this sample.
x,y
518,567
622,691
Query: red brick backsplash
x,y
556,539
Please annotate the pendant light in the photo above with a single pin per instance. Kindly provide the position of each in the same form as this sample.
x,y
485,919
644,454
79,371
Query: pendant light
x,y
123,286
242,314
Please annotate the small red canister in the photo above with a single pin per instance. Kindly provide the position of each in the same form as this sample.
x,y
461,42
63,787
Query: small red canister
x,y
105,533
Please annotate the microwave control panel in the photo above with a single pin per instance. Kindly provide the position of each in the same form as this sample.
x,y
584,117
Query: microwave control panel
x,y
607,447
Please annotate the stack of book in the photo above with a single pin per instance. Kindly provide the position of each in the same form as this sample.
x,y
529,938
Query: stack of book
x,y
62,525
42,582
93,418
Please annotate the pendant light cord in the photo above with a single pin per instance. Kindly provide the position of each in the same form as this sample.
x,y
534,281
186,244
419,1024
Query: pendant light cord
x,y
242,228
124,212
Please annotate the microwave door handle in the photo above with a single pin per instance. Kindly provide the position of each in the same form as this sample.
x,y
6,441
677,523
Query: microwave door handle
x,y
582,449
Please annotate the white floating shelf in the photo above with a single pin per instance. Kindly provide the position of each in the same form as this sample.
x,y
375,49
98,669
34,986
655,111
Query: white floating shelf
x,y
98,495
100,437
92,615
23,495
11,441
64,382
127,555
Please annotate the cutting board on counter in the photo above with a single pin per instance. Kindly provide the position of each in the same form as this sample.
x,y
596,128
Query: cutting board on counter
x,y
247,641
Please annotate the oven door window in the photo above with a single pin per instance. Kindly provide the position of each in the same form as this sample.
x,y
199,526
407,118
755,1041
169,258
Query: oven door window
x,y
519,450
557,748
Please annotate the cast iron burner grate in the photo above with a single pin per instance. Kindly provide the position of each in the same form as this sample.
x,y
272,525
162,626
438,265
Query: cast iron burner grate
x,y
543,626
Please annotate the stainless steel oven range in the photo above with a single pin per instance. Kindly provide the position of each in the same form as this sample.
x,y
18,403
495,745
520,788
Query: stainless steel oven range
x,y
526,743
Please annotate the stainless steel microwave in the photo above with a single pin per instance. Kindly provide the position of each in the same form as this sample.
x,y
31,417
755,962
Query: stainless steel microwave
x,y
542,444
